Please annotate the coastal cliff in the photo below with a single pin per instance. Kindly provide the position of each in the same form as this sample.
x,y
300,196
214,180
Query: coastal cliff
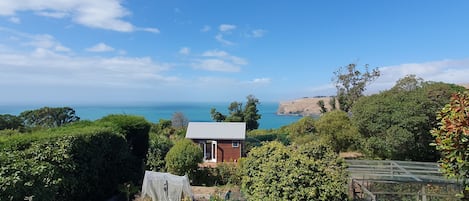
x,y
303,106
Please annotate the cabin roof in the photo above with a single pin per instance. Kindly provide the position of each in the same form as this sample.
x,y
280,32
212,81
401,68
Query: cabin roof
x,y
216,130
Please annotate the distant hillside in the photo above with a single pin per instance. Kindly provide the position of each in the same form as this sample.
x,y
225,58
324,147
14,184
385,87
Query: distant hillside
x,y
303,106
465,85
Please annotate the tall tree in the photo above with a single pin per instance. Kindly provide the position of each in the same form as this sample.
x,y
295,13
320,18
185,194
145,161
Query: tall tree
x,y
332,103
322,106
396,123
351,83
8,121
49,117
249,114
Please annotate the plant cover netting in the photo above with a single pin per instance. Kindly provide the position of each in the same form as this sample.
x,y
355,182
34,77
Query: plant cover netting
x,y
165,186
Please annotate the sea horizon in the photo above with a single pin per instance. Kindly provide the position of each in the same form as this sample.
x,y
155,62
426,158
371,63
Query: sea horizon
x,y
153,112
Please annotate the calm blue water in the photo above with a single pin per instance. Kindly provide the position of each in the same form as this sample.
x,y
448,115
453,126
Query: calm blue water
x,y
155,112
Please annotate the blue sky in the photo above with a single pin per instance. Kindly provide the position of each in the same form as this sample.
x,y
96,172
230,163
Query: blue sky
x,y
122,51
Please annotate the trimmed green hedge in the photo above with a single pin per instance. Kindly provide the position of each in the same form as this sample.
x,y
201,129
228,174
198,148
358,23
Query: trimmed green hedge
x,y
83,161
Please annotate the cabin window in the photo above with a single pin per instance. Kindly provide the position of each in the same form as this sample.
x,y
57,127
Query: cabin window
x,y
235,144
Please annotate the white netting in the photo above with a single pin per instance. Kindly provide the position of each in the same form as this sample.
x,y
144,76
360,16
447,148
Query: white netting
x,y
165,187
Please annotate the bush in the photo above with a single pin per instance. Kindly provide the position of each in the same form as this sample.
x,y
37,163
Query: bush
x,y
159,146
63,164
306,172
183,158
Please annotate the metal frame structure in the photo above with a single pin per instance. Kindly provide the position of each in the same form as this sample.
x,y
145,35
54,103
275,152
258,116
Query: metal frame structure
x,y
378,180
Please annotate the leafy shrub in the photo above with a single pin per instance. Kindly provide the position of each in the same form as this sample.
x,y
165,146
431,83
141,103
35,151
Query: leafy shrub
x,y
64,164
159,146
183,158
306,172
452,139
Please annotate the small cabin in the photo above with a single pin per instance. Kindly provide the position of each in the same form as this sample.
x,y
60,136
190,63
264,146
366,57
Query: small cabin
x,y
220,141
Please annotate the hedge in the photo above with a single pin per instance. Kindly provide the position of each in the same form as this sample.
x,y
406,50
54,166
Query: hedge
x,y
83,161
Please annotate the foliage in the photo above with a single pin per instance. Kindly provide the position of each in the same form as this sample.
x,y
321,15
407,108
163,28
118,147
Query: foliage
x,y
8,121
322,106
305,172
302,128
71,163
134,128
395,124
250,113
179,120
183,158
351,83
452,139
159,146
49,117
332,103
336,129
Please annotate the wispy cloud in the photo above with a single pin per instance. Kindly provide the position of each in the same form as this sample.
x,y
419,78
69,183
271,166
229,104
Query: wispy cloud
x,y
185,51
258,33
215,60
219,38
151,30
206,28
15,20
226,27
100,47
47,62
103,14
260,81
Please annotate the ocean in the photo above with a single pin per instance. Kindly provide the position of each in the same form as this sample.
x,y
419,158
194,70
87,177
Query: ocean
x,y
199,112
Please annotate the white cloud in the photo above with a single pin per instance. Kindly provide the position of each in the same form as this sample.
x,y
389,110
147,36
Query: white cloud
x,y
151,30
226,27
225,55
185,51
219,38
102,14
258,33
15,20
55,14
206,28
449,71
261,80
219,61
216,65
100,47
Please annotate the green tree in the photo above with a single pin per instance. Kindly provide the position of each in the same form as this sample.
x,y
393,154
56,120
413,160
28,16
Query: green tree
x,y
49,117
8,121
332,103
159,146
351,83
395,123
336,129
217,116
183,158
249,114
322,106
306,172
303,130
452,139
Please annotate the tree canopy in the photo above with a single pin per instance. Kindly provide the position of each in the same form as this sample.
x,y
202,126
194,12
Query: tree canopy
x,y
396,123
249,114
351,83
49,117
